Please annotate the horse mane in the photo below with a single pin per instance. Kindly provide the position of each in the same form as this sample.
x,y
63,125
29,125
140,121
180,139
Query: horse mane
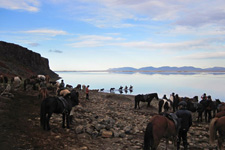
x,y
67,95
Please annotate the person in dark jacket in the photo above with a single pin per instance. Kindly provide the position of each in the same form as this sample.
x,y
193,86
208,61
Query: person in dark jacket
x,y
186,121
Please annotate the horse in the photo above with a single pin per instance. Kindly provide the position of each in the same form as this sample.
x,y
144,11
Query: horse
x,y
43,93
216,103
41,77
144,98
159,127
176,101
164,105
221,107
78,87
16,81
121,89
217,124
47,78
208,107
63,92
112,90
3,79
58,105
200,110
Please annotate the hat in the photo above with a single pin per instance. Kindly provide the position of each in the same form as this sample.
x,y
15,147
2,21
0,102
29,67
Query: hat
x,y
182,103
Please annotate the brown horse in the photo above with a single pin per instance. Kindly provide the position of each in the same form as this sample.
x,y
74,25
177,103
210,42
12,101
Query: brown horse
x,y
64,92
159,127
217,124
43,93
221,107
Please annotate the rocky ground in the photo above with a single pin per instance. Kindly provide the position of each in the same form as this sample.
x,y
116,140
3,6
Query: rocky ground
x,y
105,122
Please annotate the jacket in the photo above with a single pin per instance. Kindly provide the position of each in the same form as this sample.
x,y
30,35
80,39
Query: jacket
x,y
185,117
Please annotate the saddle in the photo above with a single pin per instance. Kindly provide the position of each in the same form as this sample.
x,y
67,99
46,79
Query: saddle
x,y
65,104
174,118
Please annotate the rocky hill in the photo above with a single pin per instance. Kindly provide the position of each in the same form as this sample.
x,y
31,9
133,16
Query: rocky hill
x,y
17,60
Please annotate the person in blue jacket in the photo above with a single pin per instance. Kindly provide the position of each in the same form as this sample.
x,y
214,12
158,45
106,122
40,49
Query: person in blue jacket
x,y
185,123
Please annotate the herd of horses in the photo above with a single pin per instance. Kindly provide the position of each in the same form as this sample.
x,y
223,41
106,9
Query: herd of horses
x,y
63,102
161,126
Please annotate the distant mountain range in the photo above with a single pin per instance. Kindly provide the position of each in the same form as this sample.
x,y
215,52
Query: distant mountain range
x,y
167,69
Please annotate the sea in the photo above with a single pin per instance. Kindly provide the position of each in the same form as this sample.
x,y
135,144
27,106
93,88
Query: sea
x,y
185,84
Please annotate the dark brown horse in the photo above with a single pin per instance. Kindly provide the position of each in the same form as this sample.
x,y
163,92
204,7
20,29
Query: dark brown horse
x,y
217,124
159,127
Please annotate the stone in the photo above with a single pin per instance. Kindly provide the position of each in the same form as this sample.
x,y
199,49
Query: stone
x,y
79,129
107,134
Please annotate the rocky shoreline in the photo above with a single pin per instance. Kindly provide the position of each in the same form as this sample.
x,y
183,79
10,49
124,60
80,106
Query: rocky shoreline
x,y
105,122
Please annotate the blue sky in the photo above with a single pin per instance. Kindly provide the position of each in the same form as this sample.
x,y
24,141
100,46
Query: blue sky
x,y
102,34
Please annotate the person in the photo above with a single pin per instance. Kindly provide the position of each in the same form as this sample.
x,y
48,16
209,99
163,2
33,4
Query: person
x,y
208,109
185,118
164,97
87,92
204,96
62,85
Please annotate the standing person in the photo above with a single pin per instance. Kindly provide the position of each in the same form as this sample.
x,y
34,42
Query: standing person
x,y
204,97
208,109
62,85
87,92
186,121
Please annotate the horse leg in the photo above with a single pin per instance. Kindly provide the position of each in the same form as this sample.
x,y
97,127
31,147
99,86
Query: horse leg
x,y
220,143
68,120
47,121
63,122
135,105
167,142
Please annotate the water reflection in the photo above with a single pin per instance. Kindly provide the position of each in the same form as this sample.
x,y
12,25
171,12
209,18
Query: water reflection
x,y
184,84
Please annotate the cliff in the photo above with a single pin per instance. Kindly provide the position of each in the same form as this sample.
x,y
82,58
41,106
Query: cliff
x,y
17,60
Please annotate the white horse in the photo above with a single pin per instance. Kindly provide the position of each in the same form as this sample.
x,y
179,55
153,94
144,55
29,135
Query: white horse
x,y
16,81
41,77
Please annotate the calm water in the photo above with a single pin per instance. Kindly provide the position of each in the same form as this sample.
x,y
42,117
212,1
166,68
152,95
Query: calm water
x,y
189,84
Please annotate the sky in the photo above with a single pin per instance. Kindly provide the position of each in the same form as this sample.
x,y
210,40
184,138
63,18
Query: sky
x,y
103,34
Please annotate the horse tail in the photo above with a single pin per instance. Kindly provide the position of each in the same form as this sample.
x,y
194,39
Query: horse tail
x,y
148,137
43,114
212,130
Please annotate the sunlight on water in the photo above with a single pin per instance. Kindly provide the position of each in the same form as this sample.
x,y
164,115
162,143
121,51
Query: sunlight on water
x,y
189,85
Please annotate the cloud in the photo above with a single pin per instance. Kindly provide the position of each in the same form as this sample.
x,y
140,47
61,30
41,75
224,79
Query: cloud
x,y
205,55
34,44
27,5
55,51
202,44
94,41
130,13
200,31
48,32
